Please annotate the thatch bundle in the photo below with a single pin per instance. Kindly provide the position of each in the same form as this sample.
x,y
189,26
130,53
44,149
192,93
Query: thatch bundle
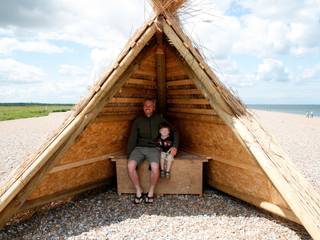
x,y
168,6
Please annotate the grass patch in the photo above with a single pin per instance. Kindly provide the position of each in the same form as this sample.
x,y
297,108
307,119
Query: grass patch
x,y
17,111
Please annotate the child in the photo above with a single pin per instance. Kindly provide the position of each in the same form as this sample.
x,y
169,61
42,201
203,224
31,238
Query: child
x,y
165,142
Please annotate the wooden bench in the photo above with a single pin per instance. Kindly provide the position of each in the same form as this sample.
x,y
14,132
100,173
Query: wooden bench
x,y
186,176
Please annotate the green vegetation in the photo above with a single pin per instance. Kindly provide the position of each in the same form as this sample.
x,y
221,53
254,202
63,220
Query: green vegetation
x,y
10,111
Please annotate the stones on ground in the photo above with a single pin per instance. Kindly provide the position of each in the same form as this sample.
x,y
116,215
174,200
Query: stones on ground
x,y
109,216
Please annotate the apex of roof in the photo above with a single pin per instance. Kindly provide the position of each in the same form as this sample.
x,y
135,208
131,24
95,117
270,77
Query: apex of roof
x,y
168,6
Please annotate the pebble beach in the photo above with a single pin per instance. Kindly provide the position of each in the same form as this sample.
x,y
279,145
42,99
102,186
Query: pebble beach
x,y
105,215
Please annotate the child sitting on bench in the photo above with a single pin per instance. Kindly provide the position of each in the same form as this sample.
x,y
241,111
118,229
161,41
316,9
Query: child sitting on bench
x,y
165,142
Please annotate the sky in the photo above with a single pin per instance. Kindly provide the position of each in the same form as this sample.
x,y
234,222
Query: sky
x,y
265,51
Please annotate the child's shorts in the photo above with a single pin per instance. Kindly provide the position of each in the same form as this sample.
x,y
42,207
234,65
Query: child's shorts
x,y
166,156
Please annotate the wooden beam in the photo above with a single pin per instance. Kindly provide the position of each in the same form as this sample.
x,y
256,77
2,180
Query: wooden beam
x,y
294,189
126,100
135,92
65,194
199,117
181,82
80,163
268,206
105,117
195,101
117,109
151,75
141,81
194,70
184,92
193,111
161,70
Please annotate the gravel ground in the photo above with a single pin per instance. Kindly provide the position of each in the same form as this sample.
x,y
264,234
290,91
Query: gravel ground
x,y
105,215
299,137
21,137
108,216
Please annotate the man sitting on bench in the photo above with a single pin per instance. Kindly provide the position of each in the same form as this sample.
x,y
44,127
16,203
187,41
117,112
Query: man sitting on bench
x,y
142,145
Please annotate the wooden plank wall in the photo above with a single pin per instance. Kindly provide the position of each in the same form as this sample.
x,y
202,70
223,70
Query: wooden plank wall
x,y
232,169
87,160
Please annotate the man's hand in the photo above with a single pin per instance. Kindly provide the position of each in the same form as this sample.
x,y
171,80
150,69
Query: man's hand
x,y
173,151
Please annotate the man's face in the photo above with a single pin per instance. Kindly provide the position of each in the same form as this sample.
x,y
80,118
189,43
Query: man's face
x,y
148,108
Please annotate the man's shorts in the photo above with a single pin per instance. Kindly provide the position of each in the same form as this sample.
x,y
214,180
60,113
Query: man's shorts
x,y
167,156
139,154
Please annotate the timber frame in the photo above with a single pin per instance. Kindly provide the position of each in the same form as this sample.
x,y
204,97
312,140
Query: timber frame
x,y
301,201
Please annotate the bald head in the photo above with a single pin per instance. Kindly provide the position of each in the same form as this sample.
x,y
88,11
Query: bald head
x,y
149,106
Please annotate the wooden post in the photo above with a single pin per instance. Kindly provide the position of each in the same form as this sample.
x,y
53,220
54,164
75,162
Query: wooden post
x,y
161,70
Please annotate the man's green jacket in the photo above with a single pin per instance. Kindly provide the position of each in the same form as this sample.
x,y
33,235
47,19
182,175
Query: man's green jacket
x,y
145,130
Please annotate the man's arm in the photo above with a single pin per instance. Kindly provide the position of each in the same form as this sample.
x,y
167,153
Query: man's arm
x,y
132,140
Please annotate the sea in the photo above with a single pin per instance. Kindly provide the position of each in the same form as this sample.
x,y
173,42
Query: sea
x,y
301,109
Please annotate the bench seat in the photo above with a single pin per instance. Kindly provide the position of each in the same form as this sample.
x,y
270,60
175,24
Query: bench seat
x,y
186,175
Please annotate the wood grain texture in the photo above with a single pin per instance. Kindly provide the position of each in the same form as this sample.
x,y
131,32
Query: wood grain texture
x,y
71,178
99,138
186,177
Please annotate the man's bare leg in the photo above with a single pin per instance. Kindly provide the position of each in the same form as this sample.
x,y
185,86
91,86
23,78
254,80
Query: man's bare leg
x,y
154,177
133,175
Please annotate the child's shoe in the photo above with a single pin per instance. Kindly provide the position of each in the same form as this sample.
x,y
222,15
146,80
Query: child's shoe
x,y
162,174
167,174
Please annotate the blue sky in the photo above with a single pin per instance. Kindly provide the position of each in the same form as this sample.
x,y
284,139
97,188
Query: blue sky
x,y
265,51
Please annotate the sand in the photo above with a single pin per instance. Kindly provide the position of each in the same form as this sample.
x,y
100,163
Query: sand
x,y
107,216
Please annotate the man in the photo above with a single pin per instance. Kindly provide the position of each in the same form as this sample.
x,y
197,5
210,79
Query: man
x,y
142,145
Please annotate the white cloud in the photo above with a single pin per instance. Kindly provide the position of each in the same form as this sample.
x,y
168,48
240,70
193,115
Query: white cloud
x,y
311,73
272,70
102,59
266,30
219,35
287,26
230,73
262,37
95,23
49,91
7,45
279,9
98,29
18,72
72,70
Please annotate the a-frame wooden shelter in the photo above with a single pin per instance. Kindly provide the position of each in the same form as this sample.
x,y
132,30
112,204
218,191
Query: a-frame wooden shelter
x,y
160,61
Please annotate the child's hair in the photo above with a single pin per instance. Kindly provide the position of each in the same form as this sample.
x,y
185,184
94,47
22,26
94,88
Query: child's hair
x,y
164,125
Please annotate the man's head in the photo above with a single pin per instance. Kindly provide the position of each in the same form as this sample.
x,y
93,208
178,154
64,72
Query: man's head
x,y
149,106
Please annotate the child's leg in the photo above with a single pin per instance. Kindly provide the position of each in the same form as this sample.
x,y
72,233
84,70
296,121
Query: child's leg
x,y
162,164
162,161
169,160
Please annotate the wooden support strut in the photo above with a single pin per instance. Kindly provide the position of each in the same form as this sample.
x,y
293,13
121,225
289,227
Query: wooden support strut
x,y
161,69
